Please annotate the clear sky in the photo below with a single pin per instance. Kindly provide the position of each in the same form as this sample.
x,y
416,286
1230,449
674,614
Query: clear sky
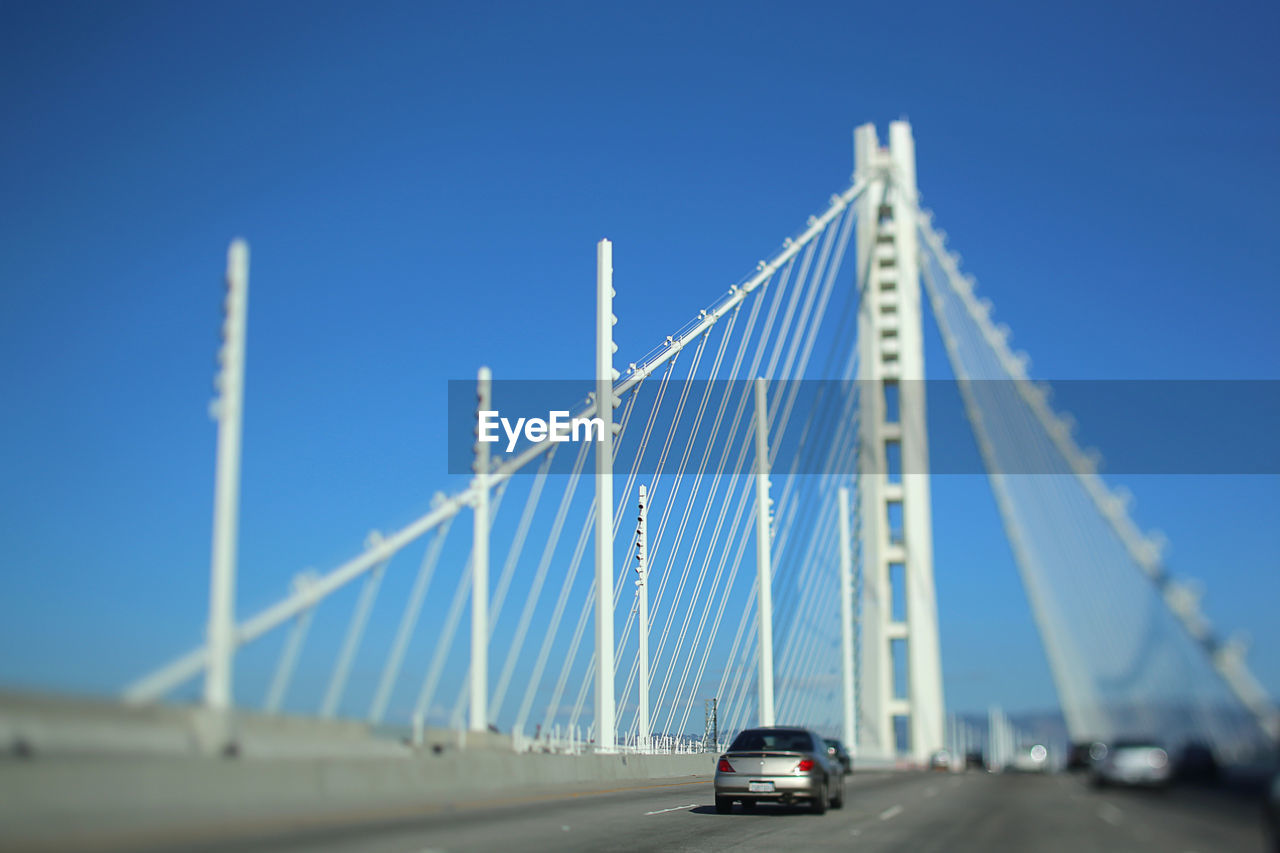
x,y
423,184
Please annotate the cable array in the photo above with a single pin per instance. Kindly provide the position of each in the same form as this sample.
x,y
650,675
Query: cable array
x,y
1129,649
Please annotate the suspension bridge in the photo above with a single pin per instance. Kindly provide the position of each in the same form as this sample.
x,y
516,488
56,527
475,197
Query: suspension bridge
x,y
749,540
745,573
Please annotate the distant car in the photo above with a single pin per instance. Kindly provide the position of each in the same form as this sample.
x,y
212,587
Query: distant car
x,y
1078,756
779,765
1196,763
940,760
1134,763
837,751
974,760
1032,759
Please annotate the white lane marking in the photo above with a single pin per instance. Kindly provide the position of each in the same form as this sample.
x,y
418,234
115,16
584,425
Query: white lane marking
x,y
855,832
674,809
1110,814
891,812
564,828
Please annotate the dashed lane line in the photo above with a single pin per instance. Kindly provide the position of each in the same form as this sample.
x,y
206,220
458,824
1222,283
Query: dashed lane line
x,y
891,812
674,809
1110,814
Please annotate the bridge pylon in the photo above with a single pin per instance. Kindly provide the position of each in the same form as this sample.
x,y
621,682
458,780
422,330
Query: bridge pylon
x,y
899,614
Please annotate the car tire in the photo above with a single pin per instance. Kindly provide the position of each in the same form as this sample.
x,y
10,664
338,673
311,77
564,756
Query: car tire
x,y
819,805
837,802
724,805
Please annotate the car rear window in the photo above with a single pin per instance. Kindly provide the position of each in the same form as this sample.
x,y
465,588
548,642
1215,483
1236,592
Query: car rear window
x,y
791,740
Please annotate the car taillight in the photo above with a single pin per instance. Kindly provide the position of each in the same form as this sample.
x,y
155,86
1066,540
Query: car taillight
x,y
724,766
805,765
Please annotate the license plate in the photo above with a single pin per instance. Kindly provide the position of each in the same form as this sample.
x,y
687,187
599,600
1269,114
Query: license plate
x,y
760,787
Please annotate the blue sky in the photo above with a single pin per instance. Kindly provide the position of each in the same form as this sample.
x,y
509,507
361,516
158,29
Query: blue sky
x,y
423,185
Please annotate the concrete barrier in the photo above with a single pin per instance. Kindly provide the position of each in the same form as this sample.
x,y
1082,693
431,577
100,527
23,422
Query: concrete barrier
x,y
70,798
94,770
48,725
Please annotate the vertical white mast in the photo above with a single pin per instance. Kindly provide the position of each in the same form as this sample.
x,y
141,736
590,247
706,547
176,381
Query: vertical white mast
x,y
605,375
480,565
228,409
764,568
642,591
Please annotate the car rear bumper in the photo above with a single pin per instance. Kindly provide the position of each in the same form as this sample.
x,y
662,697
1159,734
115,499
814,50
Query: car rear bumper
x,y
1136,777
738,786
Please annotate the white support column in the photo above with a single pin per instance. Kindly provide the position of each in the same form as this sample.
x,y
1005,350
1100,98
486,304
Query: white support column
x,y
890,340
924,653
875,671
642,592
605,376
846,621
228,410
479,680
764,568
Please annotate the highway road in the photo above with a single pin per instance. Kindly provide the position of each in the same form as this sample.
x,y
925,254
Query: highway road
x,y
916,812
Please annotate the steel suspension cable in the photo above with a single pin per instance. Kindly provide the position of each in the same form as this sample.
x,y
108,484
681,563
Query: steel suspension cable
x,y
539,578
541,662
408,620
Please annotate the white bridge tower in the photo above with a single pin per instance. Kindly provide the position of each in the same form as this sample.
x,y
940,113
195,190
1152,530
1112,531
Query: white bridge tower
x,y
899,622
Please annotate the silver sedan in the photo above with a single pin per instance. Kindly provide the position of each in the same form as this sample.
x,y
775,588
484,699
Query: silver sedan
x,y
780,765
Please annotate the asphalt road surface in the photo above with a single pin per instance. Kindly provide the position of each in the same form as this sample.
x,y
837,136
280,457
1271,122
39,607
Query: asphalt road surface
x,y
916,812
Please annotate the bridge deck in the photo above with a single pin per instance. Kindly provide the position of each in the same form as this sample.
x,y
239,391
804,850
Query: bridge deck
x,y
885,811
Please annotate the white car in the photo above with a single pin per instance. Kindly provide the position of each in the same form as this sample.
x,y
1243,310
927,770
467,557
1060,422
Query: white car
x,y
1130,762
1033,759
